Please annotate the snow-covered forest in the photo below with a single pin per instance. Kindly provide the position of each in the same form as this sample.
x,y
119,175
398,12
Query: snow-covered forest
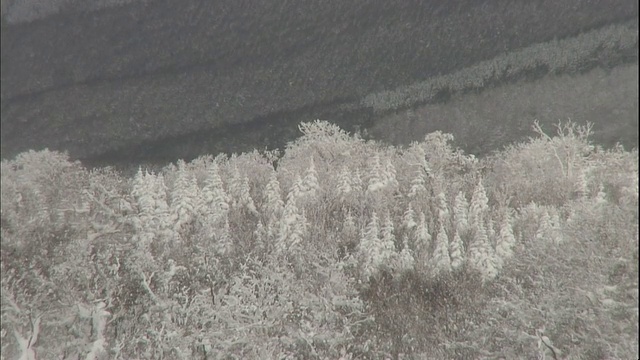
x,y
335,248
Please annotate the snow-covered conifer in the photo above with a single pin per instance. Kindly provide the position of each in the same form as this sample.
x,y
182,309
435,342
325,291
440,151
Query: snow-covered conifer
x,y
272,204
310,186
506,240
376,175
292,225
260,235
143,188
456,249
441,259
460,211
545,229
296,190
161,213
407,261
387,238
491,231
245,197
417,184
240,192
184,198
344,182
357,184
215,200
349,228
408,220
422,238
390,174
481,253
443,208
479,204
370,247
224,243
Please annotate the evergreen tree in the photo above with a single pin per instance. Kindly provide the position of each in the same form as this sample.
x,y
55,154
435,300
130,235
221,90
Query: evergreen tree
x,y
545,229
390,174
344,183
349,228
441,259
456,249
240,192
272,204
408,220
443,209
293,223
422,242
183,198
223,240
310,185
376,179
417,184
215,200
370,247
357,184
407,261
460,213
479,205
481,253
506,240
142,190
387,239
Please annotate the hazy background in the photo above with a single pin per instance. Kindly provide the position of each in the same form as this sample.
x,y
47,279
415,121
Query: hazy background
x,y
153,81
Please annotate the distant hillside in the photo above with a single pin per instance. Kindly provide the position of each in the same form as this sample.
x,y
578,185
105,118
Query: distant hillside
x,y
99,81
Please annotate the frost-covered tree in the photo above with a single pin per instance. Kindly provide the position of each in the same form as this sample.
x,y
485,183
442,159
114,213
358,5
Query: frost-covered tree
x,y
390,174
293,223
479,205
215,201
349,227
344,183
223,239
150,194
376,176
417,184
408,219
506,240
456,250
260,237
441,259
143,192
545,228
460,213
406,259
387,238
491,231
549,226
296,190
272,204
481,254
184,198
310,185
356,182
422,241
240,192
443,208
370,247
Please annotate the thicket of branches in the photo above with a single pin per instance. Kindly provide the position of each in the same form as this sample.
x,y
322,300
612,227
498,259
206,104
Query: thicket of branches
x,y
339,248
